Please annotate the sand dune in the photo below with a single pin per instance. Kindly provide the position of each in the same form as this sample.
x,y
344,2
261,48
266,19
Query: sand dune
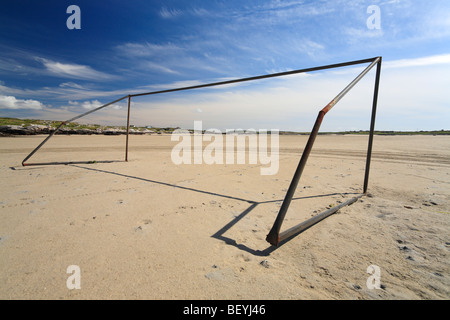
x,y
150,229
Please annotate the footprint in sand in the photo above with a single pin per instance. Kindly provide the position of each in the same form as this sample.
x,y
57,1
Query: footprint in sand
x,y
2,239
383,214
220,274
143,227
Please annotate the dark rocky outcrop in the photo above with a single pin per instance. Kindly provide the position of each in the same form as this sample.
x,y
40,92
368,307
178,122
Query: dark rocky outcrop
x,y
9,130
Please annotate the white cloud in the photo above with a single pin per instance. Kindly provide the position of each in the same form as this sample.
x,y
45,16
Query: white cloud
x,y
147,49
71,85
89,105
159,58
200,12
76,71
158,67
177,84
311,48
10,102
281,12
357,34
169,13
417,62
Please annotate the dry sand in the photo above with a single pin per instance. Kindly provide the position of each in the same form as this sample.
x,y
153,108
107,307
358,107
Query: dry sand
x,y
149,229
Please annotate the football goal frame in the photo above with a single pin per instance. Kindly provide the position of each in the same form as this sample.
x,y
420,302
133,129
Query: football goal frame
x,y
275,237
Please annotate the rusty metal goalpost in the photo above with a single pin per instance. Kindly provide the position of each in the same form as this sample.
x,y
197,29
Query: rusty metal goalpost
x,y
274,237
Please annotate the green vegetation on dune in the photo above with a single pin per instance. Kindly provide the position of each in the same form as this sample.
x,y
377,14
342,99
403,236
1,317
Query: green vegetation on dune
x,y
387,133
4,121
51,124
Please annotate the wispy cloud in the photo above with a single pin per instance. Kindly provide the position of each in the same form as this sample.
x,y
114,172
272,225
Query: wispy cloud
x,y
172,13
170,58
72,85
200,12
74,71
65,91
74,93
418,62
355,35
147,49
311,48
160,58
284,12
149,65
168,13
23,63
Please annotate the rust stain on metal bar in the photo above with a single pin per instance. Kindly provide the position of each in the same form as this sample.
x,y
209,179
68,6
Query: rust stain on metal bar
x,y
329,106
350,85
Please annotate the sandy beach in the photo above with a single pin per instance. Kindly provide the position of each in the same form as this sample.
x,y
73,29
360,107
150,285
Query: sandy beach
x,y
150,229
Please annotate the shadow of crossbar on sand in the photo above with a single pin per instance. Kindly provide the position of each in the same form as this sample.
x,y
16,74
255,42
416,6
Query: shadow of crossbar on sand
x,y
220,233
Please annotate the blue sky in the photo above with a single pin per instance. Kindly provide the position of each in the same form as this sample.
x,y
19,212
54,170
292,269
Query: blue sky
x,y
123,47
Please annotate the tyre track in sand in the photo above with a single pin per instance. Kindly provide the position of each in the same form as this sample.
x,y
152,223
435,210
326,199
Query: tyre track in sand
x,y
386,156
433,159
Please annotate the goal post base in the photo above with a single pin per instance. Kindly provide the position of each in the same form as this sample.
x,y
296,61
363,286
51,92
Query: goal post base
x,y
275,238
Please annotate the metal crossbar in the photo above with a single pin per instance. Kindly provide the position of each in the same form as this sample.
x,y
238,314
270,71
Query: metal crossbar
x,y
274,237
